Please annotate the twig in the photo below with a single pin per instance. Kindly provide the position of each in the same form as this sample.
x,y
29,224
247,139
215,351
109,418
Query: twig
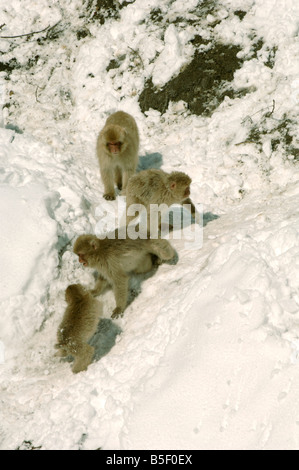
x,y
136,53
36,92
48,28
2,25
260,111
267,115
245,142
271,112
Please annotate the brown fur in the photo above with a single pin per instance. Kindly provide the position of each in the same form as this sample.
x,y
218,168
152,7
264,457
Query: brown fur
x,y
158,187
78,325
117,168
115,258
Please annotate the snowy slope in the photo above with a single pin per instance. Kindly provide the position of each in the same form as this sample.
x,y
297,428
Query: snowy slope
x,y
206,356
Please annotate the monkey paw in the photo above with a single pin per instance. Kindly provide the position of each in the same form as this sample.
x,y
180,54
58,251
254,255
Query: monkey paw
x,y
173,260
134,292
60,353
117,312
156,261
109,197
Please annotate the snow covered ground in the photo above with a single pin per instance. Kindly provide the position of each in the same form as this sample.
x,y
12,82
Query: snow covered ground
x,y
207,355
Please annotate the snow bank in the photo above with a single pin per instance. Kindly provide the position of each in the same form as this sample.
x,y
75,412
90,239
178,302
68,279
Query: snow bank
x,y
28,240
27,232
33,216
229,378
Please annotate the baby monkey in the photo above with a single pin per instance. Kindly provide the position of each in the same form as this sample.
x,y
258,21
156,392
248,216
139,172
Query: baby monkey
x,y
158,187
117,151
78,325
115,259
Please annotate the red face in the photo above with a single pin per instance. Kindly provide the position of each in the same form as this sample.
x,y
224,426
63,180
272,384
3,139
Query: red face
x,y
187,192
114,147
82,259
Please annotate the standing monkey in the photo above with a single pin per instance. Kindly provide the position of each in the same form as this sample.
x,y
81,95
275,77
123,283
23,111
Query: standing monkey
x,y
158,187
117,151
78,325
115,259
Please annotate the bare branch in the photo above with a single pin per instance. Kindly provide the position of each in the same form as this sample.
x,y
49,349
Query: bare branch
x,y
48,28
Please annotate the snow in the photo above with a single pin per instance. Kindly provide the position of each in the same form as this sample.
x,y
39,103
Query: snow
x,y
171,59
206,356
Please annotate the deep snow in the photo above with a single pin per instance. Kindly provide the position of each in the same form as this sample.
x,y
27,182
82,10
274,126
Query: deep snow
x,y
206,356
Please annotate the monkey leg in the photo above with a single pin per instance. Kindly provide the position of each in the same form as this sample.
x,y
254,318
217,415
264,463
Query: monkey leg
x,y
100,285
62,352
146,264
109,197
192,206
83,357
153,223
134,209
108,180
163,249
117,312
118,178
120,289
130,218
156,261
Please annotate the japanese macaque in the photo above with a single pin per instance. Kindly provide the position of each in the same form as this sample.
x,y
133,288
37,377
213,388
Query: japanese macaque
x,y
115,259
117,151
158,187
78,325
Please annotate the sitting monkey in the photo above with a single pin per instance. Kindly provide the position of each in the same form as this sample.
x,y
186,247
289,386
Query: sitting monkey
x,y
78,325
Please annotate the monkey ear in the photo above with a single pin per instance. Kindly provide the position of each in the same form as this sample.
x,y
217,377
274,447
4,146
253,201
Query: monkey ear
x,y
173,185
94,244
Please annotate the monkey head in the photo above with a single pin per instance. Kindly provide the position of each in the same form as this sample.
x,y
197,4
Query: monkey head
x,y
115,139
74,292
179,185
86,247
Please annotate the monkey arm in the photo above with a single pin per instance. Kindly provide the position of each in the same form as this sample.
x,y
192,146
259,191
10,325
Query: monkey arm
x,y
100,285
118,178
108,180
192,208
120,289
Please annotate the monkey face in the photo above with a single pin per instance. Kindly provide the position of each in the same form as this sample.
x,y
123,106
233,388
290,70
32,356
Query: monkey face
x,y
180,191
114,147
114,137
85,248
82,259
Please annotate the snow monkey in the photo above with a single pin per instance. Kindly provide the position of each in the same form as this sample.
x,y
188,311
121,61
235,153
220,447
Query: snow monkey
x,y
117,151
115,258
158,187
78,325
